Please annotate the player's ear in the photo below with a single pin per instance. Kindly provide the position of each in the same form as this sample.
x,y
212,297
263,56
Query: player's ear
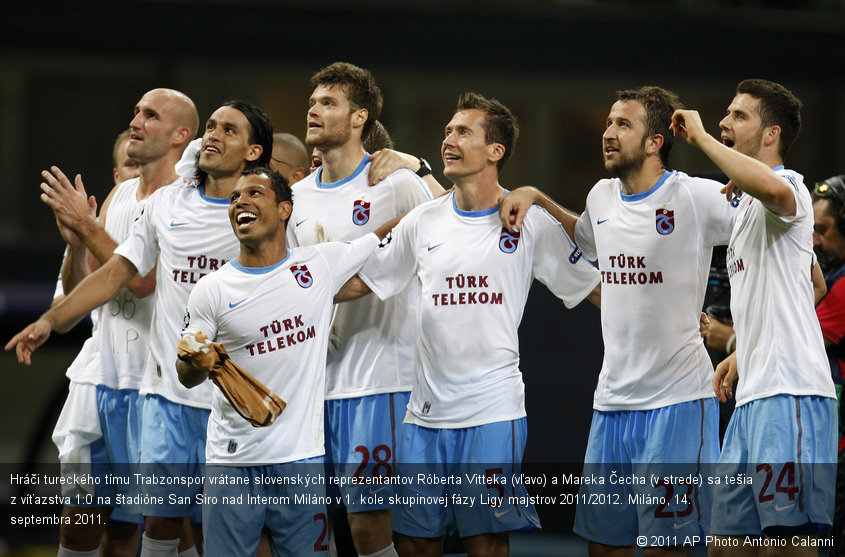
x,y
253,152
360,117
654,143
495,152
285,208
771,134
181,135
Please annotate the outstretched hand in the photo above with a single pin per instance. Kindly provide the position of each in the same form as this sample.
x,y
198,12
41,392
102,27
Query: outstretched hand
x,y
29,339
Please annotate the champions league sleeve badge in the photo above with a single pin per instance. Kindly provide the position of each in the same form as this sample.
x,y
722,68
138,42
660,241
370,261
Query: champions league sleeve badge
x,y
360,212
302,275
508,241
664,221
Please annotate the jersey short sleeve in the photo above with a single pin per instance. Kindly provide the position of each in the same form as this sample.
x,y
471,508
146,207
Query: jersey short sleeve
x,y
344,259
202,310
558,263
584,237
391,267
716,214
141,245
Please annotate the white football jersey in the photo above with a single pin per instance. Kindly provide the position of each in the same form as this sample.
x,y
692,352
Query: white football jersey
x,y
371,343
85,367
779,343
190,236
474,280
274,323
653,250
125,320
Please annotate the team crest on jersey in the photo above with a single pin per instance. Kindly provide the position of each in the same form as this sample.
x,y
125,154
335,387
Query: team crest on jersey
x,y
664,220
360,212
508,241
302,275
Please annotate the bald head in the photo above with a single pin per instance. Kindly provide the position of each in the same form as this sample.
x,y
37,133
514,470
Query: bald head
x,y
165,121
182,109
289,158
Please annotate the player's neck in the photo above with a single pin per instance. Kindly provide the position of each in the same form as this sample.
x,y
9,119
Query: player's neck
x,y
155,174
770,158
341,161
477,195
221,186
263,253
642,180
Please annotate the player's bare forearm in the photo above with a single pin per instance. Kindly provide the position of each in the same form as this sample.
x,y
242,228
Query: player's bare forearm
x,y
385,228
819,285
97,288
594,297
751,176
353,289
746,173
75,268
514,206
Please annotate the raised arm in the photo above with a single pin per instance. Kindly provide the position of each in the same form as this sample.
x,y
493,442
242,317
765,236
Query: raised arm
x,y
514,206
70,203
387,161
746,173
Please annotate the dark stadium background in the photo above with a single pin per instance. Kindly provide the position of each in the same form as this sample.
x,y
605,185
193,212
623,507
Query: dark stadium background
x,y
71,72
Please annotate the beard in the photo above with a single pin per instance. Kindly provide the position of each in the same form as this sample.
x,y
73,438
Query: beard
x,y
329,139
627,164
751,146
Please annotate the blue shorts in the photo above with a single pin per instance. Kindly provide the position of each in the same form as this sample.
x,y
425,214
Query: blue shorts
x,y
780,452
362,436
112,456
172,457
462,478
295,515
648,472
120,421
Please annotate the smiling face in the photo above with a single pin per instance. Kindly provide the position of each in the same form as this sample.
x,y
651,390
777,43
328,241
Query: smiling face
x,y
226,143
330,118
254,212
742,127
465,150
623,141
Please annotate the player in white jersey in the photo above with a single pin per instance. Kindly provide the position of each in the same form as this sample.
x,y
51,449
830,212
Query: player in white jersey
x,y
652,232
467,410
371,348
270,308
183,227
782,435
164,121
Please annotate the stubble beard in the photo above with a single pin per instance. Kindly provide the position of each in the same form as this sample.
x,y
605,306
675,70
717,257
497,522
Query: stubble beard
x,y
628,165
